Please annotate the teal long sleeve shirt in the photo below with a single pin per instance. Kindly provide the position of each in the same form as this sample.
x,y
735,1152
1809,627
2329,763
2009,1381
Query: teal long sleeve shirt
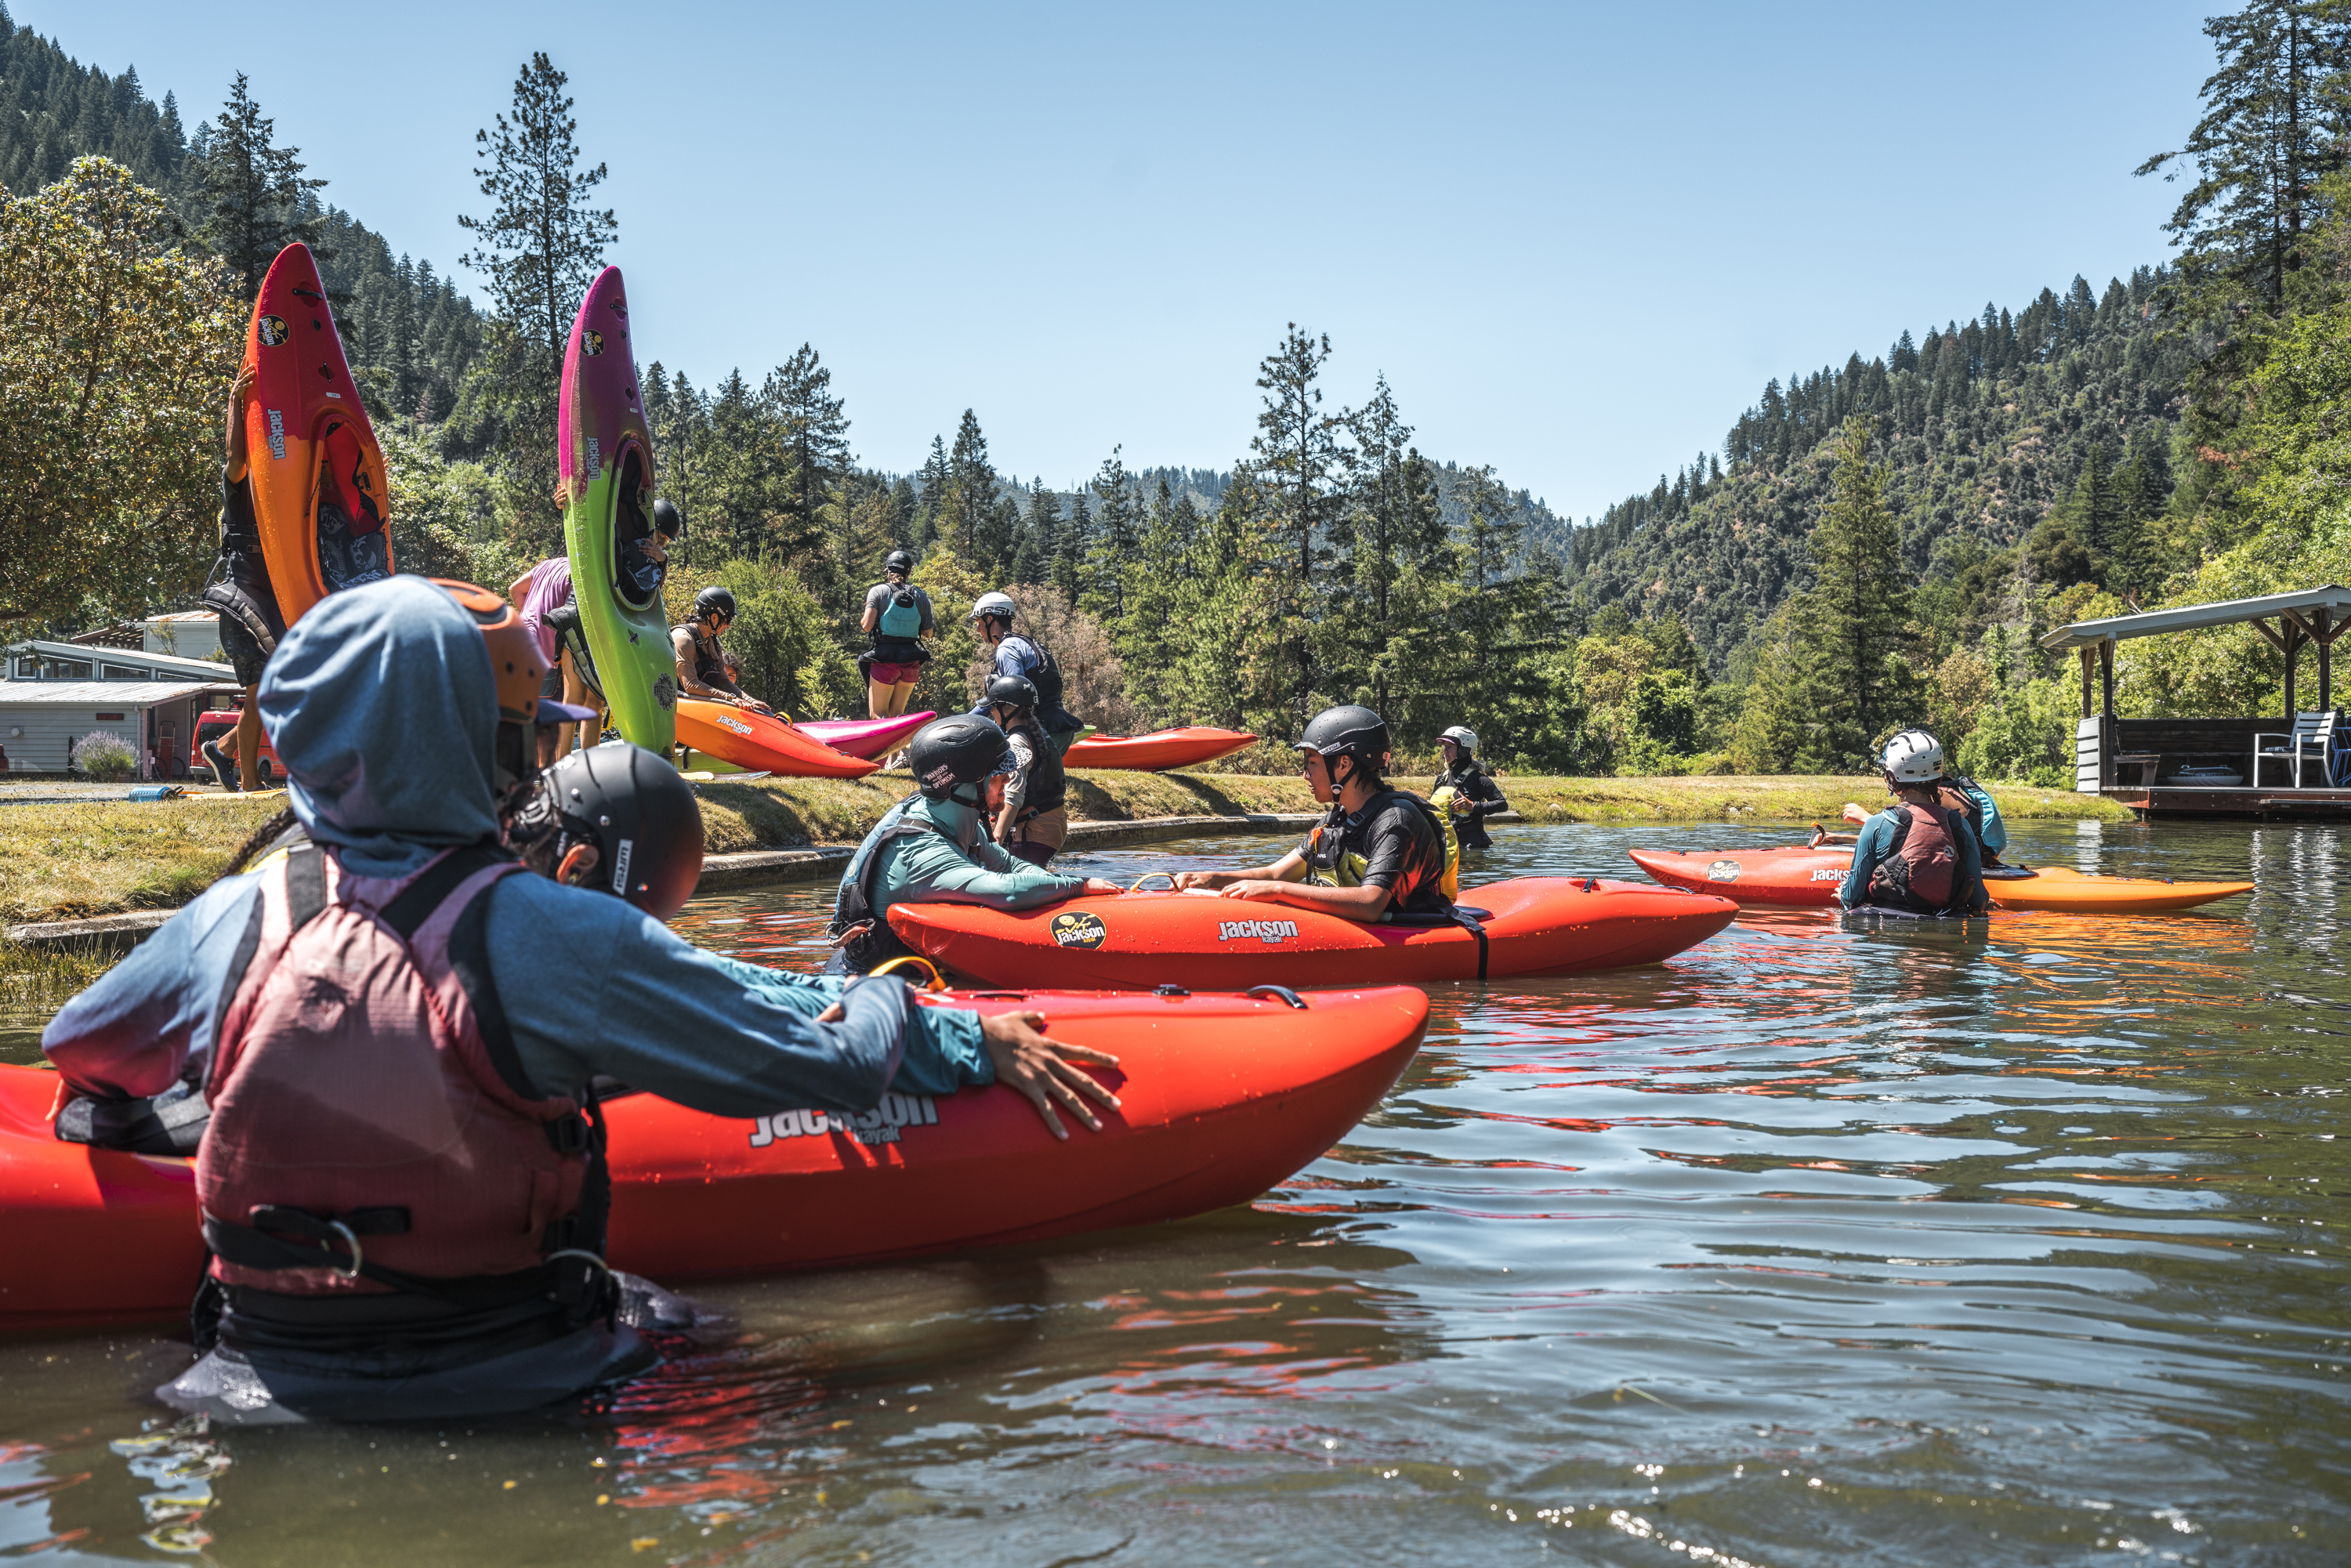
x,y
941,868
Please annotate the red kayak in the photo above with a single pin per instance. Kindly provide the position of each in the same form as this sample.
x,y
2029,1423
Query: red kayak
x,y
1157,751
1534,926
1801,877
872,738
1225,1096
761,743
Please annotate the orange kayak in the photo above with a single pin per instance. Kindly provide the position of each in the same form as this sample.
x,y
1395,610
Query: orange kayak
x,y
1535,926
1224,1097
304,419
1161,749
1801,876
761,743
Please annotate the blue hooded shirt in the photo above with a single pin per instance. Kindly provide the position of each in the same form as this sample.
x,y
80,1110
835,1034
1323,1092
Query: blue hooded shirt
x,y
381,702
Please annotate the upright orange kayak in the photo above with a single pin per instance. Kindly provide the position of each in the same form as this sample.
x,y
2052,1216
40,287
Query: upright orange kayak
x,y
1799,876
761,743
1161,750
306,436
1224,1097
1534,926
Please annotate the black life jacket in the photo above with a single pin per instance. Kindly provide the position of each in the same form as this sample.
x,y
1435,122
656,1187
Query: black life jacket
x,y
1047,784
859,928
1923,872
1046,676
1333,860
708,668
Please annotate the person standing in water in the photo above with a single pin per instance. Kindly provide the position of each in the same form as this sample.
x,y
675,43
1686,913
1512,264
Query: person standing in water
x,y
1032,823
1465,790
1919,855
897,615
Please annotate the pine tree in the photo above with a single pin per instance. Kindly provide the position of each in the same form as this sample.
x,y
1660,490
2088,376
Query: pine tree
x,y
1852,623
254,193
1070,552
968,514
1298,450
933,479
1041,537
814,436
2274,129
1117,539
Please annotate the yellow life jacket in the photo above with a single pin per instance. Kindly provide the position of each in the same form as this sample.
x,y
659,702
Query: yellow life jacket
x,y
1328,864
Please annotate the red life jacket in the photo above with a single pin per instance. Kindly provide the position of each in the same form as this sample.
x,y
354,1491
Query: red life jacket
x,y
356,1109
1921,871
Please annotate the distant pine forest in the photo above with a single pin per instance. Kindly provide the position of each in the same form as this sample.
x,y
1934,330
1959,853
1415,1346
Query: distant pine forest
x,y
1873,544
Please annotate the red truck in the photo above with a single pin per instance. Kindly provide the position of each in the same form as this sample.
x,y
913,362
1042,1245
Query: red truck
x,y
222,726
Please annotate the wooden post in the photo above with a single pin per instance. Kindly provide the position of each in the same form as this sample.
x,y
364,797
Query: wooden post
x,y
2294,640
2326,660
2106,678
2087,655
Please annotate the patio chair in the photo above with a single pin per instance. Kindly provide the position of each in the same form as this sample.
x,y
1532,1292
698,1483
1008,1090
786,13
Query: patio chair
x,y
2312,739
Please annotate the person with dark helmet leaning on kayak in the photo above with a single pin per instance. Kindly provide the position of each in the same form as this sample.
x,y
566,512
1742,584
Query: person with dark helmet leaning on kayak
x,y
1014,655
1033,822
898,617
1380,852
701,665
934,847
398,1040
1919,855
1465,791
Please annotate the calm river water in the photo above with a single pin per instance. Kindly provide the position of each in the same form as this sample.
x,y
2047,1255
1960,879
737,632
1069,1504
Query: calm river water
x,y
2020,1242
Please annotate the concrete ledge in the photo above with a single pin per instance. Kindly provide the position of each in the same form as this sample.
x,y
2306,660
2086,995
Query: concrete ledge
x,y
120,933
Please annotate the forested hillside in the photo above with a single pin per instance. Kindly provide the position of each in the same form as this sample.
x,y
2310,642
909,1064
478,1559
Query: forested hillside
x,y
1983,428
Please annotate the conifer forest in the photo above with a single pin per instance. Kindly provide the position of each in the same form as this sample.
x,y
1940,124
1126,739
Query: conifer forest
x,y
1874,542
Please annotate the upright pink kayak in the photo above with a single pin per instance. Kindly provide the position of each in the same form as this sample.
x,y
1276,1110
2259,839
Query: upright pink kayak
x,y
867,737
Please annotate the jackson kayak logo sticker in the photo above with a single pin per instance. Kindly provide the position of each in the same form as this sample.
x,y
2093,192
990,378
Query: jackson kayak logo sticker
x,y
277,435
272,330
1722,871
729,721
592,342
879,1125
1079,929
1263,930
665,691
595,460
1827,874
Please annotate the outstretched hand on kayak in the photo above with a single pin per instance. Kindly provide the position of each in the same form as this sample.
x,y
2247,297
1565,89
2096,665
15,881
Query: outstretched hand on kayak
x,y
1044,1069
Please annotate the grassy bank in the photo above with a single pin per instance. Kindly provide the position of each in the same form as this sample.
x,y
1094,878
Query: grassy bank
x,y
62,861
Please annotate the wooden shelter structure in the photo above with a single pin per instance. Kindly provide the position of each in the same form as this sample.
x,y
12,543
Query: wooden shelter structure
x,y
2241,768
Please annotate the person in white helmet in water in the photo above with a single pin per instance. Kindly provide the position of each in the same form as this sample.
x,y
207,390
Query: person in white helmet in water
x,y
1920,854
1019,655
1465,790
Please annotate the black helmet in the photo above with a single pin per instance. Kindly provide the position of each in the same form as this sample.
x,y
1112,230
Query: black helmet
x,y
1348,731
949,752
642,817
713,601
668,521
1015,692
900,562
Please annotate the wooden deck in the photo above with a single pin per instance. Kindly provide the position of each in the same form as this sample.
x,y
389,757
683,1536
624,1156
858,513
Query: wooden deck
x,y
2165,803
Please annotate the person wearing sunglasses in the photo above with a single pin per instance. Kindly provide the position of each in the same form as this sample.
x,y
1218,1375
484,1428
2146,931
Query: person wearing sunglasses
x,y
701,663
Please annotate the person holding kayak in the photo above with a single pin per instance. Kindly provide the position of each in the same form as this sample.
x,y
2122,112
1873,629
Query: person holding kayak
x,y
1380,853
1015,655
701,666
1465,791
1919,855
543,597
399,1040
897,616
1032,824
934,846
240,594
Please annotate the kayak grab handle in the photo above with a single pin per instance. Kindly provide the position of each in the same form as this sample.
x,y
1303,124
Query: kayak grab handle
x,y
937,981
1284,992
1166,876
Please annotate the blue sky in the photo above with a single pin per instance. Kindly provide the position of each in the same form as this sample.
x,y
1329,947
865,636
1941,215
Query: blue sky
x,y
1576,238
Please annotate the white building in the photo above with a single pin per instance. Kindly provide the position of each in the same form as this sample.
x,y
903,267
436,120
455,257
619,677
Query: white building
x,y
56,693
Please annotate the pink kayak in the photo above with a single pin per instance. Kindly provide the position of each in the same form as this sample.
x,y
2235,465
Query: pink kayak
x,y
867,737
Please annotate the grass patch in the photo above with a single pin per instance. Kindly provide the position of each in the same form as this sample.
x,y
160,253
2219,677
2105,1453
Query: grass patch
x,y
67,861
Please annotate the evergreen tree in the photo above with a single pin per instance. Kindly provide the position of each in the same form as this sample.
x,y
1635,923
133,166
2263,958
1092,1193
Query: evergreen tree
x,y
1070,548
1040,536
2274,129
1117,538
933,499
814,436
1298,454
1852,624
966,514
256,199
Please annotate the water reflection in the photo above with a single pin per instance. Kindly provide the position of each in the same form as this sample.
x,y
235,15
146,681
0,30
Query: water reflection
x,y
1827,1242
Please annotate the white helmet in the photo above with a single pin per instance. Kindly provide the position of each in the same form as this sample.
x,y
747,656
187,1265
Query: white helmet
x,y
994,604
1913,756
1466,738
